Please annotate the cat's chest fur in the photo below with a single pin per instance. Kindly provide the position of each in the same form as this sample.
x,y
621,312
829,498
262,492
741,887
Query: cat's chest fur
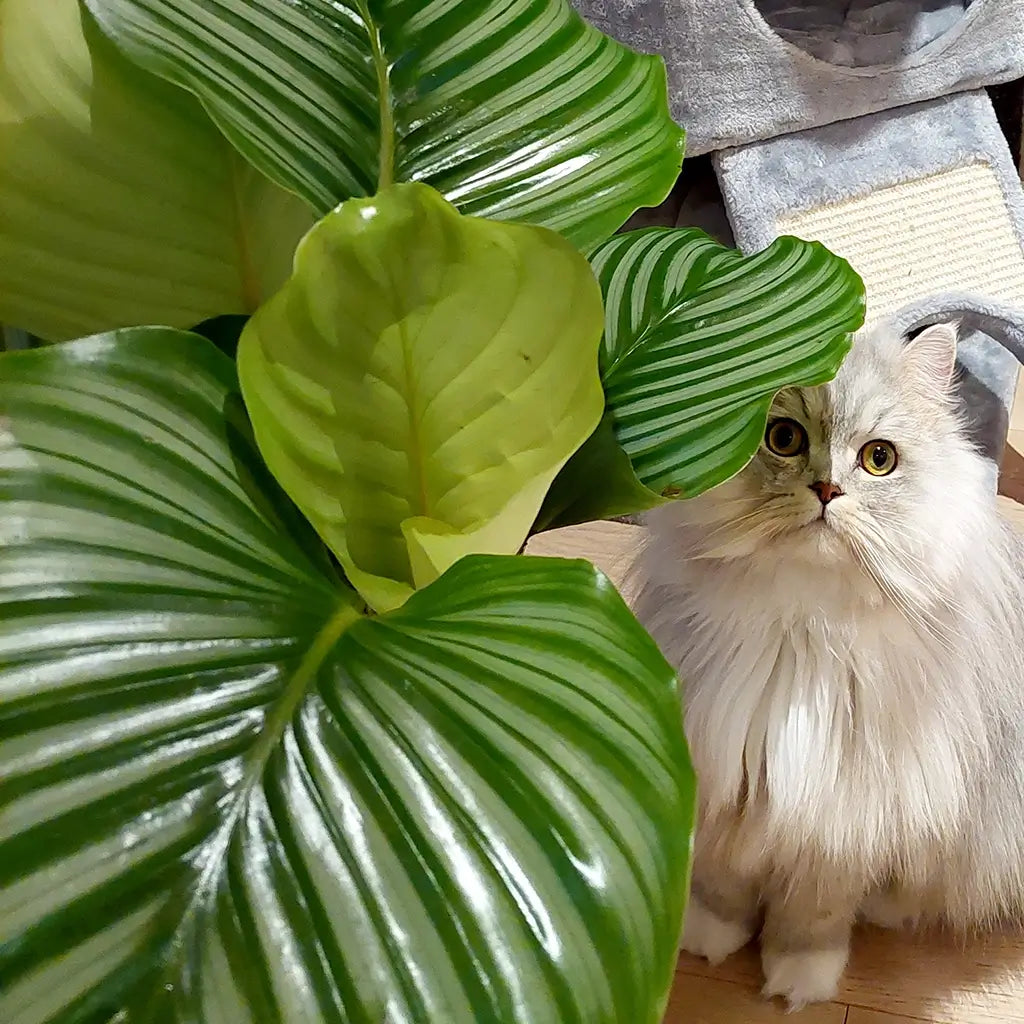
x,y
829,736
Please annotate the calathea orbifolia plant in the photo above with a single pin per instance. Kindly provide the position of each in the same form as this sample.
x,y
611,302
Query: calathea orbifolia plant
x,y
287,730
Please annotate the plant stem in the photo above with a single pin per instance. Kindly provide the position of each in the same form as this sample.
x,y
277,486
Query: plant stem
x,y
386,115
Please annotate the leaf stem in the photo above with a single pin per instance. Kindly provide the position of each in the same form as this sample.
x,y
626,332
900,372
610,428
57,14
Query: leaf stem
x,y
284,710
256,760
386,115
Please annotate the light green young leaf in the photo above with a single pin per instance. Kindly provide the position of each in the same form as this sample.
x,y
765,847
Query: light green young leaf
x,y
229,798
419,382
120,201
514,109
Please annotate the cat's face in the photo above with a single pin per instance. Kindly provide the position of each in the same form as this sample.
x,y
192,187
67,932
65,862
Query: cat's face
x,y
869,472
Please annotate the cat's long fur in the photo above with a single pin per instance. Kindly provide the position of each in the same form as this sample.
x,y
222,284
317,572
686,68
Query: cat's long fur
x,y
853,685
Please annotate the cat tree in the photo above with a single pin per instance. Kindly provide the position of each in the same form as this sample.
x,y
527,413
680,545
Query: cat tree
x,y
863,124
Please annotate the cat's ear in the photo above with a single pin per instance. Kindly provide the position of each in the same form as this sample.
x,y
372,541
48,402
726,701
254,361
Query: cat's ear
x,y
929,360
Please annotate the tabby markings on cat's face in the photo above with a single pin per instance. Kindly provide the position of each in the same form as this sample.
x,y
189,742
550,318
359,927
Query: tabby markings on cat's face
x,y
828,468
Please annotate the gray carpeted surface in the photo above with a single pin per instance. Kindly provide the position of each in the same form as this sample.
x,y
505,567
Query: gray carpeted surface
x,y
862,33
743,70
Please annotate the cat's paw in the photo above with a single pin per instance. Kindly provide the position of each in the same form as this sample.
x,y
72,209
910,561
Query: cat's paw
x,y
887,909
706,934
801,978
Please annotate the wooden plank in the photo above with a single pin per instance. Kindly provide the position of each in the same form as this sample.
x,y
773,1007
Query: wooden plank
x,y
858,1015
706,1001
936,978
928,977
742,968
1012,510
1011,473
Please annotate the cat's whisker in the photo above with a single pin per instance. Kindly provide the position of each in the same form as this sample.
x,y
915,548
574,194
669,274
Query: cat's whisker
x,y
764,523
755,516
912,617
941,597
863,538
916,616
902,561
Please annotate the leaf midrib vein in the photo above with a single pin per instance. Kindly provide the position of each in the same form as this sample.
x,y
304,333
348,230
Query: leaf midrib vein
x,y
280,714
385,111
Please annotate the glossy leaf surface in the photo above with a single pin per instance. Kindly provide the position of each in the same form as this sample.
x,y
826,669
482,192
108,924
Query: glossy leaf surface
x,y
699,338
515,109
228,797
419,382
120,201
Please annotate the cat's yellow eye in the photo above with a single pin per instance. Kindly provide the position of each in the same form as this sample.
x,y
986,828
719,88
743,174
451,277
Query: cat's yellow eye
x,y
785,438
879,458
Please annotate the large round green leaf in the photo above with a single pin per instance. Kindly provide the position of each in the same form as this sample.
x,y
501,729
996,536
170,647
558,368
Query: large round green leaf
x,y
227,797
699,338
514,109
120,201
420,381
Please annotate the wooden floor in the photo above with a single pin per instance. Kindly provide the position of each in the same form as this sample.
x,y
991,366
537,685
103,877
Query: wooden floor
x,y
893,977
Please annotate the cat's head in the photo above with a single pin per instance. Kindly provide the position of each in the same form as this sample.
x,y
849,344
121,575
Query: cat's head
x,y
871,472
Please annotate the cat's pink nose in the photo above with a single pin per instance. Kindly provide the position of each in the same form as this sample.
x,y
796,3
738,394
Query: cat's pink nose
x,y
825,491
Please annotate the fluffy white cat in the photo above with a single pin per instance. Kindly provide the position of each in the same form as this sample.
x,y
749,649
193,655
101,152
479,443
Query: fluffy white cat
x,y
847,619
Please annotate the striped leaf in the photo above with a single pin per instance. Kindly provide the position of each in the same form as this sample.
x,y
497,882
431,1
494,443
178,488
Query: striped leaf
x,y
228,797
420,381
120,201
513,109
698,340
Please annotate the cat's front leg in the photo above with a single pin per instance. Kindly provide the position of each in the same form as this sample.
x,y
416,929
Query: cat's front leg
x,y
722,915
891,907
806,939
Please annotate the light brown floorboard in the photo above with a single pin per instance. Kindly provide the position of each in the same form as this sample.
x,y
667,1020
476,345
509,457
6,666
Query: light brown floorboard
x,y
705,1001
928,977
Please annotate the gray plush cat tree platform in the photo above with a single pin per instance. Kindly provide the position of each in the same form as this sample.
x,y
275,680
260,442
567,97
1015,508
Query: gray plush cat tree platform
x,y
862,123
744,70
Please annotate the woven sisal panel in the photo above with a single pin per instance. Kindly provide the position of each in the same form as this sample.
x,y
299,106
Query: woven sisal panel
x,y
949,231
